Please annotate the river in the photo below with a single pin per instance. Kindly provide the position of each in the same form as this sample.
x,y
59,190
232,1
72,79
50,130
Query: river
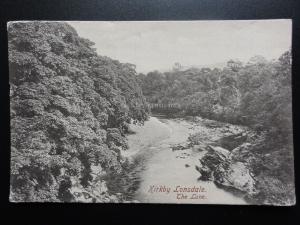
x,y
167,176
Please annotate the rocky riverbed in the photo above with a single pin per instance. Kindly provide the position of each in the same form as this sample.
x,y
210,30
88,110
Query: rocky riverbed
x,y
225,160
221,145
166,154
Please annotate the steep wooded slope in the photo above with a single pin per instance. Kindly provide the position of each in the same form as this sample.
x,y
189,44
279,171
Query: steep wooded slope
x,y
69,110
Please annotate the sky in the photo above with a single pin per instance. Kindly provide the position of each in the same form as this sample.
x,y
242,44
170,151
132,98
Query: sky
x,y
158,45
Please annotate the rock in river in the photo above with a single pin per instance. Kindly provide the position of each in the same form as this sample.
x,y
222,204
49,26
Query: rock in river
x,y
217,165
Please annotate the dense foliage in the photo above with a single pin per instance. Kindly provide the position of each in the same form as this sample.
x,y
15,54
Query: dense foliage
x,y
236,93
257,94
69,111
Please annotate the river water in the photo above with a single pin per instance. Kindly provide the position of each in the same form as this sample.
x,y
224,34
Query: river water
x,y
167,176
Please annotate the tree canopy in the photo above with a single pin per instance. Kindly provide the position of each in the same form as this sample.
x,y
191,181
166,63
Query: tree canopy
x,y
69,110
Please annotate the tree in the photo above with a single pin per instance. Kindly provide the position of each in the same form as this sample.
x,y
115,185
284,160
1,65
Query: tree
x,y
177,66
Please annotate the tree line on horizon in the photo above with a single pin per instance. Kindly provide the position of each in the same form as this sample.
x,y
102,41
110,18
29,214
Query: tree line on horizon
x,y
253,94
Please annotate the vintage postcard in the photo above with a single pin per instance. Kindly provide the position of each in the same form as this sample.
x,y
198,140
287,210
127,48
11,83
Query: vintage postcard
x,y
188,112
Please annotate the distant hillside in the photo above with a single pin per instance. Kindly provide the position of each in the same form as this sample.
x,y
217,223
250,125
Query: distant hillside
x,y
219,65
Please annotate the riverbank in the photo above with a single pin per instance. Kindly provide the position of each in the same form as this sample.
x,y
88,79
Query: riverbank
x,y
225,160
153,151
245,162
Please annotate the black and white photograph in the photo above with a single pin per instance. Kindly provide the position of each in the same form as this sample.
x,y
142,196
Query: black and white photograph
x,y
180,112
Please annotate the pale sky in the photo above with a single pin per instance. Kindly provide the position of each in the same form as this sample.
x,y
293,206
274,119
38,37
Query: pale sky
x,y
158,45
